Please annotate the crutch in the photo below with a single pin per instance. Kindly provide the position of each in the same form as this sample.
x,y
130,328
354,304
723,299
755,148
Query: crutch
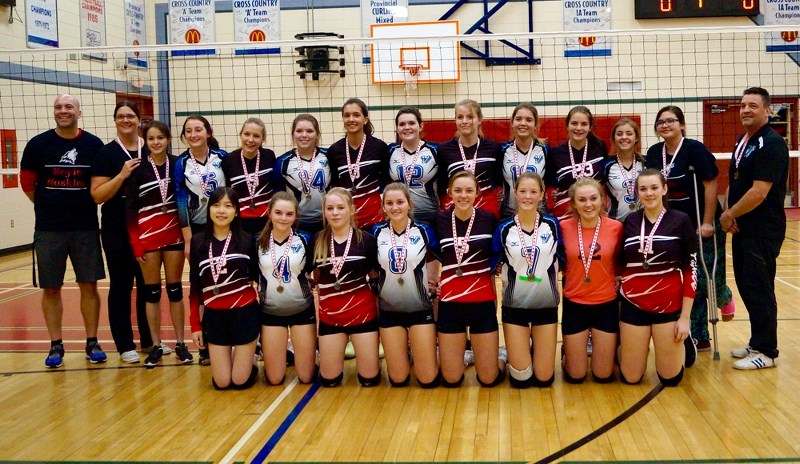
x,y
711,298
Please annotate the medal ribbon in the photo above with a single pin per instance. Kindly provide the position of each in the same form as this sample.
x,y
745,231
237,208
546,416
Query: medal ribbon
x,y
668,168
740,150
251,179
400,257
524,166
528,256
408,170
630,187
306,178
338,263
196,170
163,184
138,148
355,169
469,166
580,170
587,260
461,245
646,243
278,269
216,264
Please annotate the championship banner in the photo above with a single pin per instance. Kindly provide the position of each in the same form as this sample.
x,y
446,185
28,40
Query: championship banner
x,y
41,23
191,22
779,12
587,15
380,12
135,31
93,26
257,21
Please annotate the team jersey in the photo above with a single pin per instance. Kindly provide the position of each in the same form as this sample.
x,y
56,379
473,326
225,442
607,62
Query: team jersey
x,y
149,226
256,205
295,294
353,303
671,275
235,283
680,181
620,184
373,171
192,190
420,177
606,261
475,285
533,160
306,181
559,174
519,290
58,171
404,284
109,163
488,167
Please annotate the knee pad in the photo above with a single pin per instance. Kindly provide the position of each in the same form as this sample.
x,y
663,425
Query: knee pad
x,y
330,383
455,384
152,293
249,382
501,375
543,383
569,379
608,379
372,381
217,387
625,380
175,292
433,383
519,379
403,383
672,382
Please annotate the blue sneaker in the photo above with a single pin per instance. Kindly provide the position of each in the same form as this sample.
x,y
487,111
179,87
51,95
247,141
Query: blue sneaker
x,y
95,354
55,358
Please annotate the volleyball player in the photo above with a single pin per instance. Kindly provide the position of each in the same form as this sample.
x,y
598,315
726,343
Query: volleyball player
x,y
524,153
223,264
344,256
415,162
592,247
527,245
467,298
304,171
470,151
408,272
658,284
287,303
582,155
155,234
248,171
620,170
359,163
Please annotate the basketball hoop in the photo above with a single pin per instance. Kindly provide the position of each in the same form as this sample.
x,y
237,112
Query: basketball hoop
x,y
411,74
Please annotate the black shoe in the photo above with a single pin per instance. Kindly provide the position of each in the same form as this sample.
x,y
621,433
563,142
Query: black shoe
x,y
154,358
691,351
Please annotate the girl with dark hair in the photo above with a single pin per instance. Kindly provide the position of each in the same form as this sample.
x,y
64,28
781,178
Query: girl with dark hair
x,y
620,170
223,263
524,153
358,162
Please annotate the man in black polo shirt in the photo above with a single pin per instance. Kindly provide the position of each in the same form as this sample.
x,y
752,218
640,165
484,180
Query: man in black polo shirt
x,y
55,174
757,220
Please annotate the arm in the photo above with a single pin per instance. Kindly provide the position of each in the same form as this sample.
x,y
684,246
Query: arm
x,y
710,203
104,188
750,201
28,182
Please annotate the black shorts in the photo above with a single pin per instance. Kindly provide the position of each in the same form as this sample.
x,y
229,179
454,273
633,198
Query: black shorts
x,y
304,317
527,317
173,247
230,327
81,246
389,319
454,318
576,317
633,315
327,329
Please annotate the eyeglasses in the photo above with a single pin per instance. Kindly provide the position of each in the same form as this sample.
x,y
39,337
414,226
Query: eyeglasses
x,y
126,117
666,122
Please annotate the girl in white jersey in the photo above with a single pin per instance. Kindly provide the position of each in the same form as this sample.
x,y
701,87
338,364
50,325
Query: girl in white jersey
x,y
621,170
524,153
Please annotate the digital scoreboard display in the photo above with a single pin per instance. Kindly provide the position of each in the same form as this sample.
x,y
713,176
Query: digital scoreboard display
x,y
656,9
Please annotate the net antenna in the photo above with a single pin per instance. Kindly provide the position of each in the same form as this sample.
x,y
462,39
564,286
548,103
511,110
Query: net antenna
x,y
411,74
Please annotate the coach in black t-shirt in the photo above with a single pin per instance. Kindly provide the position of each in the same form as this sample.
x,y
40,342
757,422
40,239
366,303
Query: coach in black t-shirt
x,y
757,220
55,174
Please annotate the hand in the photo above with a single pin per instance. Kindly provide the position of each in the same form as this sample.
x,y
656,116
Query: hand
x,y
129,167
726,220
707,230
141,259
197,338
617,282
186,249
681,330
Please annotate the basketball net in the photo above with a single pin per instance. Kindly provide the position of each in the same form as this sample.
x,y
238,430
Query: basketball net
x,y
411,74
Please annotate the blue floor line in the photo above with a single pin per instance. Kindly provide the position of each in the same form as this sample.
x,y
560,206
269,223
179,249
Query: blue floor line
x,y
275,438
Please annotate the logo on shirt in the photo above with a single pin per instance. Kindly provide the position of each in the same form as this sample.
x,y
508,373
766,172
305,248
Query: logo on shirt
x,y
69,157
425,158
545,237
414,239
296,248
538,158
323,162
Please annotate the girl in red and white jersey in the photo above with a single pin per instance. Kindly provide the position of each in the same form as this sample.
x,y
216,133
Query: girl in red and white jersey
x,y
466,296
583,155
223,263
248,171
524,153
287,303
592,248
470,151
359,163
621,170
155,234
344,256
658,285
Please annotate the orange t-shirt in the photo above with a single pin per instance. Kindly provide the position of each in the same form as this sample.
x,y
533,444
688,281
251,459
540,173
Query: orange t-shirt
x,y
601,287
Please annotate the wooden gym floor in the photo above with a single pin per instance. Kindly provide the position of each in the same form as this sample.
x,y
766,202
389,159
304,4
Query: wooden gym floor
x,y
120,412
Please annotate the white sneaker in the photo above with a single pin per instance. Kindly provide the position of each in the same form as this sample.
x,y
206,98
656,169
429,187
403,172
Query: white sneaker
x,y
740,353
130,357
349,350
165,350
753,361
469,357
502,354
381,353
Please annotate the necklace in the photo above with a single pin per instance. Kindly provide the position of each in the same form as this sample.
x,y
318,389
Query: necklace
x,y
461,244
587,259
582,169
163,184
529,255
338,263
280,266
203,179
400,254
469,165
646,242
217,263
305,176
251,179
668,167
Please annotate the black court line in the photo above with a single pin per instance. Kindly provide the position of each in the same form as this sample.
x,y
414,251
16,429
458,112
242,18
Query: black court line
x,y
606,427
83,369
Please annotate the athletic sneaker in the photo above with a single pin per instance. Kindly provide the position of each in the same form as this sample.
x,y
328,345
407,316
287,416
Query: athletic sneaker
x,y
95,354
502,354
691,352
153,359
55,358
702,345
130,357
289,353
202,357
469,357
259,353
349,351
381,354
165,350
741,352
754,361
183,354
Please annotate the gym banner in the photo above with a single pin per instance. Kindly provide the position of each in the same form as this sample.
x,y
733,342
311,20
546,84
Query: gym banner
x,y
41,23
380,12
587,15
779,12
135,31
191,22
257,21
93,26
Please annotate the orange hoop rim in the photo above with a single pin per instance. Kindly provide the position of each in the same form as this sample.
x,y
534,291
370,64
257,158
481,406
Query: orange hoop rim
x,y
413,69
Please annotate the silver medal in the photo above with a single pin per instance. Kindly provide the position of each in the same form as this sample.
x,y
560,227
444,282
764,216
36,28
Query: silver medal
x,y
164,209
216,290
458,272
337,285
